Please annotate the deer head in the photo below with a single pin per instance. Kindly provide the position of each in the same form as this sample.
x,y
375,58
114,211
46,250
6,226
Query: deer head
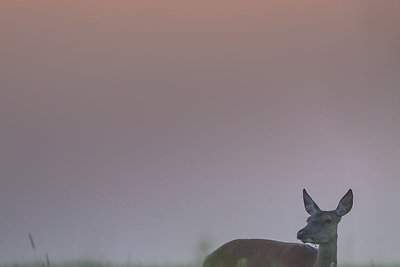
x,y
322,225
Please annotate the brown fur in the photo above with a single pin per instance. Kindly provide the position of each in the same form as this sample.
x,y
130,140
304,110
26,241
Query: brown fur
x,y
321,229
261,252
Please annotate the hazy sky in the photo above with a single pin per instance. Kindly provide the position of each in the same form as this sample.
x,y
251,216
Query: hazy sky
x,y
136,128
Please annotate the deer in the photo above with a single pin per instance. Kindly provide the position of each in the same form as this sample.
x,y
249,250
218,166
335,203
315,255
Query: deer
x,y
320,230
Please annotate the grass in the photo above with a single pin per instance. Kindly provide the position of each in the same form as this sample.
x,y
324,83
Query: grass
x,y
108,264
91,264
203,249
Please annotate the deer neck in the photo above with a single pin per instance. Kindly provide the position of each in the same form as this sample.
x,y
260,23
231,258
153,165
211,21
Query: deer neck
x,y
327,254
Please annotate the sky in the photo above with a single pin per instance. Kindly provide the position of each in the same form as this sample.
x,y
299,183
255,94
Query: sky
x,y
132,130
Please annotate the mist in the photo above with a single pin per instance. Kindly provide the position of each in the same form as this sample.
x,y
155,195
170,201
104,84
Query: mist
x,y
132,130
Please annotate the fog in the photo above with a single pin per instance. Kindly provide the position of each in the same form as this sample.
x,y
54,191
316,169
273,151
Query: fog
x,y
131,130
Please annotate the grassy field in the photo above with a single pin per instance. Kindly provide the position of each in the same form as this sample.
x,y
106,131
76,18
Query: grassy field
x,y
106,264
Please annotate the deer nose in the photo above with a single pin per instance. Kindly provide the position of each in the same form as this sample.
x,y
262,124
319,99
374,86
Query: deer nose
x,y
301,233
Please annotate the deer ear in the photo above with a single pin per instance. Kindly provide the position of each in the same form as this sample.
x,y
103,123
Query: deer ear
x,y
345,204
309,204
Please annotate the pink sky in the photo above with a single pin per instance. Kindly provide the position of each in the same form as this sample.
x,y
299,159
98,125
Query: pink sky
x,y
134,128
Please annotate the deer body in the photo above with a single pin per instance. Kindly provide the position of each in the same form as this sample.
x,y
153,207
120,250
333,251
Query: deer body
x,y
321,229
261,252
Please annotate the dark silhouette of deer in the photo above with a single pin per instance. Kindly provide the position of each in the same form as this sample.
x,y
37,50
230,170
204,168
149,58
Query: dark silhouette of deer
x,y
321,229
